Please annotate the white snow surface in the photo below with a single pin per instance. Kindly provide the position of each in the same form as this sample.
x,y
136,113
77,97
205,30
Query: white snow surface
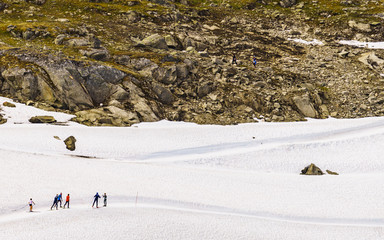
x,y
372,45
313,42
174,180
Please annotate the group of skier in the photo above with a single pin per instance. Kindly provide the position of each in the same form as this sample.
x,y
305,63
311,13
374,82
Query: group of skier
x,y
96,200
254,61
58,199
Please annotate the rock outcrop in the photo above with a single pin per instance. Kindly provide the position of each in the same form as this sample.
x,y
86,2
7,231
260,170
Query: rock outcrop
x,y
42,119
8,104
312,170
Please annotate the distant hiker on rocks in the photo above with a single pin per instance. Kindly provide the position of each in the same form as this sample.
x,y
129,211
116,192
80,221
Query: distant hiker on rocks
x,y
234,61
55,200
254,61
96,200
60,199
31,203
66,201
105,199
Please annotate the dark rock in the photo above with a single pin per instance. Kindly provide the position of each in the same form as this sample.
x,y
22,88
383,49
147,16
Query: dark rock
x,y
2,120
42,119
165,96
331,173
8,104
204,90
70,143
312,170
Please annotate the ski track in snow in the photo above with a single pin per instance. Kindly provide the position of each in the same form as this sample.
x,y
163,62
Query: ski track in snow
x,y
251,146
190,207
161,160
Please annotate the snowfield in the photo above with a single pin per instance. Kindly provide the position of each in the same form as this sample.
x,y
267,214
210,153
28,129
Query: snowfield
x,y
172,180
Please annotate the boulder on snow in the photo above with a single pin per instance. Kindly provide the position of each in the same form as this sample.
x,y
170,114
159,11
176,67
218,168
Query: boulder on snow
x,y
2,120
312,170
331,173
8,104
42,119
70,143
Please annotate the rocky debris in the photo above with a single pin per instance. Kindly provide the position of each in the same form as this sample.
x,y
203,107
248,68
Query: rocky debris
x,y
312,170
363,27
42,119
70,143
287,3
106,116
29,33
331,173
3,6
37,2
181,69
100,54
370,59
8,104
101,1
155,41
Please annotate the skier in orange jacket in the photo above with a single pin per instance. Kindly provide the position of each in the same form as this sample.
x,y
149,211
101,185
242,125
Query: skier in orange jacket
x,y
66,201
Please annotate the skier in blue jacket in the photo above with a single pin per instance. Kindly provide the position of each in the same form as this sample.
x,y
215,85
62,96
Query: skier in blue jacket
x,y
96,200
60,199
55,200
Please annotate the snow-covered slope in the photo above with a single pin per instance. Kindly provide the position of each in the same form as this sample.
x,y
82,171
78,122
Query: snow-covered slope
x,y
170,180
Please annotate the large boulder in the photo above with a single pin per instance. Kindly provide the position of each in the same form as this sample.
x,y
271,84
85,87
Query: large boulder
x,y
70,143
8,104
165,96
305,106
312,170
106,116
165,75
155,41
363,27
42,119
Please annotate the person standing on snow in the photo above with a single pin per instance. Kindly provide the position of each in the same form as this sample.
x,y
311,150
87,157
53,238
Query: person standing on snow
x,y
60,199
55,201
31,203
96,200
105,199
66,201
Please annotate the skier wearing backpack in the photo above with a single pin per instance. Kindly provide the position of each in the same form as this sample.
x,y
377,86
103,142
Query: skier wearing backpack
x,y
55,200
60,199
31,203
96,200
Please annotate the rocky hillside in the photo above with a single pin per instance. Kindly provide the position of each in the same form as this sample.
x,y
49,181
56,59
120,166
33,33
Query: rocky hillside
x,y
119,62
